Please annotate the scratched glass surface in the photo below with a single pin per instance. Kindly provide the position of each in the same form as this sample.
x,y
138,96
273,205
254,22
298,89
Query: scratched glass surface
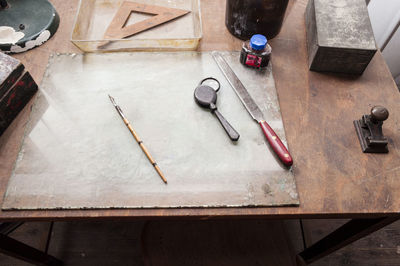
x,y
78,153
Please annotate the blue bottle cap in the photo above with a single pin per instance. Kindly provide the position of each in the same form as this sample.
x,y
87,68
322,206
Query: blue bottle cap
x,y
258,42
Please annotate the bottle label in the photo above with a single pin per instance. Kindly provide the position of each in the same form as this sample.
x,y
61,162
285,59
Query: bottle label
x,y
252,60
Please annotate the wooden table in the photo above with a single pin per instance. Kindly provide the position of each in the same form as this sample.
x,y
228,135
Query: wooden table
x,y
334,178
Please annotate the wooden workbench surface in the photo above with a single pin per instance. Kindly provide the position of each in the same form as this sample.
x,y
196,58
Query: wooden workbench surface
x,y
334,178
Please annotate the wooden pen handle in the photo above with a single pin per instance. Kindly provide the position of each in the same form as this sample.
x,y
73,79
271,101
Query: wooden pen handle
x,y
276,144
144,149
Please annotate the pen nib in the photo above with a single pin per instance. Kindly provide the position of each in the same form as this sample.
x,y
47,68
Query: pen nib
x,y
112,100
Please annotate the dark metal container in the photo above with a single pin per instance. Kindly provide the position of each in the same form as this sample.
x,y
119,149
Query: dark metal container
x,y
244,18
16,89
10,70
339,36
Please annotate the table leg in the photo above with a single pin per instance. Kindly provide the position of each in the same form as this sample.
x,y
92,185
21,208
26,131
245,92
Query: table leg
x,y
16,249
344,235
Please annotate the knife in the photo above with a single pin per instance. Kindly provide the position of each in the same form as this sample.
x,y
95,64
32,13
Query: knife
x,y
253,109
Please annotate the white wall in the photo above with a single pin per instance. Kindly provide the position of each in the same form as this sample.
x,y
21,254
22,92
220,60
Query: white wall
x,y
392,55
385,18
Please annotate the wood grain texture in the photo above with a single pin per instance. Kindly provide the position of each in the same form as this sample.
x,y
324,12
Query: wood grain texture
x,y
32,234
334,178
97,243
380,248
222,243
119,243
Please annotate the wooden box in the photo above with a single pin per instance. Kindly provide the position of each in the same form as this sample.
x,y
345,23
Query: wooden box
x,y
16,89
339,36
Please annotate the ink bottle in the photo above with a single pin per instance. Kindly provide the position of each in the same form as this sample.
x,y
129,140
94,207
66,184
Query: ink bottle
x,y
256,52
244,18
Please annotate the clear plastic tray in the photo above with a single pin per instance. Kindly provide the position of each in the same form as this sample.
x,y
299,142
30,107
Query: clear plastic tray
x,y
94,17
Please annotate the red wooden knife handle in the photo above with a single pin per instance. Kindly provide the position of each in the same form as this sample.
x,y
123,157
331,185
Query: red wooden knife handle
x,y
276,144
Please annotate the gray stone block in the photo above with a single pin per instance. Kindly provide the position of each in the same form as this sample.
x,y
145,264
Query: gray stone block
x,y
339,36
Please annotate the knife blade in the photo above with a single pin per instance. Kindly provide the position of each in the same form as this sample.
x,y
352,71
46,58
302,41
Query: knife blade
x,y
253,109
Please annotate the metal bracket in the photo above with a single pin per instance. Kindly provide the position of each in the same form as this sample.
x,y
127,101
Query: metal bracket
x,y
369,131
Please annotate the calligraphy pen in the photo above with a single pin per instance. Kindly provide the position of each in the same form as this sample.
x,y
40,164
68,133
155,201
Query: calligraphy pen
x,y
139,141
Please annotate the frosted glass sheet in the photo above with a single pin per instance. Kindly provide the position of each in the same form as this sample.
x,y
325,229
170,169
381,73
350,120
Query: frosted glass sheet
x,y
78,153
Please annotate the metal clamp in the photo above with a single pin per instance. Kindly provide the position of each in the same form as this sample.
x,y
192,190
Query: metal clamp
x,y
369,131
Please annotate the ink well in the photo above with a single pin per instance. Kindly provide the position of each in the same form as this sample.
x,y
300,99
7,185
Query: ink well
x,y
256,52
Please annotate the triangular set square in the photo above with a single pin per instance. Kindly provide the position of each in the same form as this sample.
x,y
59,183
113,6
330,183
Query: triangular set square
x,y
118,30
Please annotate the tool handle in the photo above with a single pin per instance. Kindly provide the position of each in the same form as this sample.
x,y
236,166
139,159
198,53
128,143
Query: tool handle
x,y
276,144
145,150
232,133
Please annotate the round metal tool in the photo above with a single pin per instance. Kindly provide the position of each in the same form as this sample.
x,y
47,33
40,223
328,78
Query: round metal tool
x,y
212,82
379,113
206,96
